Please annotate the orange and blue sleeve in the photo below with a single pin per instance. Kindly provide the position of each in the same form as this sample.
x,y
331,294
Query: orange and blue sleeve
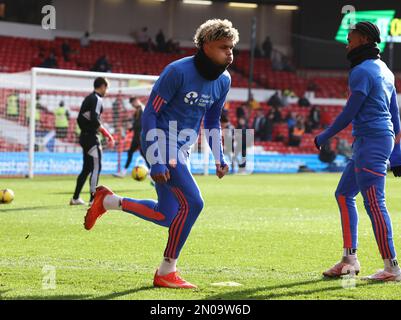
x,y
349,112
162,93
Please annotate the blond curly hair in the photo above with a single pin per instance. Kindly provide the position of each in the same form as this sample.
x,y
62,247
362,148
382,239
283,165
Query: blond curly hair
x,y
215,29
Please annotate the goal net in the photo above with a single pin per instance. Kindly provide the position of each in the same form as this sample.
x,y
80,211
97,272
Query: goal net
x,y
38,111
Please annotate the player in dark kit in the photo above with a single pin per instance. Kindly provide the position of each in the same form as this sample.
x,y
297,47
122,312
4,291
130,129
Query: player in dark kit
x,y
89,123
136,141
187,91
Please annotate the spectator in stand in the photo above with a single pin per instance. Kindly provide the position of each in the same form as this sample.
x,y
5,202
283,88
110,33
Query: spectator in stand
x,y
295,137
102,65
66,50
269,125
61,120
172,46
151,45
277,117
49,62
275,100
38,112
38,59
85,41
142,39
291,121
252,103
303,101
160,41
286,64
13,105
325,119
240,112
259,125
308,126
267,47
240,145
287,94
314,117
276,61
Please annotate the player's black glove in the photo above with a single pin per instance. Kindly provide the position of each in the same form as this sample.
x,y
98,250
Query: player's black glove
x,y
316,144
396,171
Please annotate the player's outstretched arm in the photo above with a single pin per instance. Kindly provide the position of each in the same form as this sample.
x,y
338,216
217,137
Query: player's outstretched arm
x,y
360,85
158,170
350,110
163,91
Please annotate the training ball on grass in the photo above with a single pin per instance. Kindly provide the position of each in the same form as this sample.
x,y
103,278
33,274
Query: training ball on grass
x,y
7,195
139,173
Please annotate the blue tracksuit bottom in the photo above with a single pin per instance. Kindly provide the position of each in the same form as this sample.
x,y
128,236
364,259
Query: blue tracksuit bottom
x,y
366,173
179,205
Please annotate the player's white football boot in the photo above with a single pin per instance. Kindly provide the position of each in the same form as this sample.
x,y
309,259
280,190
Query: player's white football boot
x,y
344,267
77,202
383,275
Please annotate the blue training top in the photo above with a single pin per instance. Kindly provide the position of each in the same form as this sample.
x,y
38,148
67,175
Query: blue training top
x,y
181,94
374,80
372,106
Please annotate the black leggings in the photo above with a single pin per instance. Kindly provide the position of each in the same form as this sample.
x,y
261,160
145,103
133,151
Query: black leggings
x,y
92,165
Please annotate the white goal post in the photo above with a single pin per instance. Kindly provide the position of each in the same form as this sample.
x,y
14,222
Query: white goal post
x,y
123,86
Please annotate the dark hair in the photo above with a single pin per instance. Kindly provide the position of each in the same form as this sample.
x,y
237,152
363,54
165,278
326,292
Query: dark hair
x,y
132,99
370,39
99,82
368,29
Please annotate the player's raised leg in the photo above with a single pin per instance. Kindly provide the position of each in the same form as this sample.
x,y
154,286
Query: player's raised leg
x,y
179,204
190,206
345,195
161,212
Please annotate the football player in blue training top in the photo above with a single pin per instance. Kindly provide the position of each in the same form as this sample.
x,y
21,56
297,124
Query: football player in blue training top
x,y
372,108
187,91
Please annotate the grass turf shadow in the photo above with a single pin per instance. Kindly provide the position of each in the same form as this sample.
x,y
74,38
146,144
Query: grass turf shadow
x,y
249,294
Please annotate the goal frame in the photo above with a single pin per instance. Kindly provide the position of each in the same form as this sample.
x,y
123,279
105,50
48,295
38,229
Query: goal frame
x,y
35,72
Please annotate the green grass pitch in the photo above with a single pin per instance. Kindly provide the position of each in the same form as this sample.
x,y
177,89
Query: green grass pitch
x,y
273,234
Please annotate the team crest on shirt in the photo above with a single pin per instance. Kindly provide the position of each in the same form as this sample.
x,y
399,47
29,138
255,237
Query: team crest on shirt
x,y
191,97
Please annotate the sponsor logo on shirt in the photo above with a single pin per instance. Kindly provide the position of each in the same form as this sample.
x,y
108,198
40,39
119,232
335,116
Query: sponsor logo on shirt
x,y
192,98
